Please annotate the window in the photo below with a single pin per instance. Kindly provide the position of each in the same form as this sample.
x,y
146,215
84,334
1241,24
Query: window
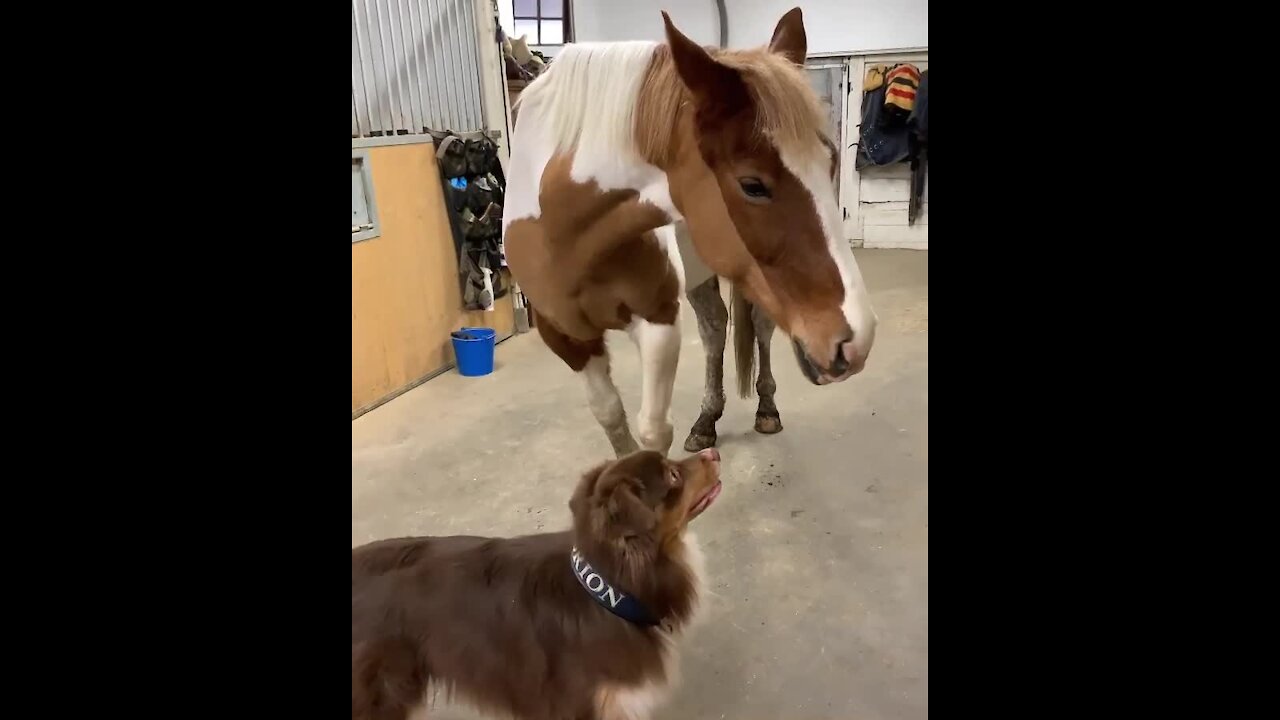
x,y
544,21
364,211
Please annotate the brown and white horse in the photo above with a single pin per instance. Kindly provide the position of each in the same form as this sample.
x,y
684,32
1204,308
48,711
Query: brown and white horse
x,y
616,143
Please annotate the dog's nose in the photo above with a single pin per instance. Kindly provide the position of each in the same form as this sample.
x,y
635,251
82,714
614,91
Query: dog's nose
x,y
711,454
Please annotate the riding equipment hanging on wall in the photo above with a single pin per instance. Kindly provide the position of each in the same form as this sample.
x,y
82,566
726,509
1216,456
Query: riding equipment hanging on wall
x,y
472,182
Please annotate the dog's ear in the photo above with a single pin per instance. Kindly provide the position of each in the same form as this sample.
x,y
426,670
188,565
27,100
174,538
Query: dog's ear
x,y
613,512
579,503
623,521
628,516
609,505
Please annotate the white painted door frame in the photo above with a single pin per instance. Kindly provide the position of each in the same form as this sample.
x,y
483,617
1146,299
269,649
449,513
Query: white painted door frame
x,y
850,180
493,77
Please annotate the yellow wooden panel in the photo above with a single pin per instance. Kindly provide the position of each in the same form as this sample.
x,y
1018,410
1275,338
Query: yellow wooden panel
x,y
405,297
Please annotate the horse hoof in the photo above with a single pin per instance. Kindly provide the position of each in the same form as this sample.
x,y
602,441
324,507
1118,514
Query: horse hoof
x,y
698,442
768,424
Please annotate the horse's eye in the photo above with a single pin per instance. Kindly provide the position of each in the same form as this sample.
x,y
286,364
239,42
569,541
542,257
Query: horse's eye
x,y
753,188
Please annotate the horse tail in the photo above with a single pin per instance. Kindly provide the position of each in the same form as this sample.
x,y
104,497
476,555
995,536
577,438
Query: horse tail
x,y
744,341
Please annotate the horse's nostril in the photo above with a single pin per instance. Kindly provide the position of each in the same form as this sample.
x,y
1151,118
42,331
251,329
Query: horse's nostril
x,y
840,364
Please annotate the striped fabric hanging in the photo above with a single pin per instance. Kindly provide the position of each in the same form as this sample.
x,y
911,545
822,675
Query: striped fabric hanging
x,y
903,81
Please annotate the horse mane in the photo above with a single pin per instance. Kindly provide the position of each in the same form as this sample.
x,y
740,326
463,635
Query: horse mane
x,y
787,109
590,94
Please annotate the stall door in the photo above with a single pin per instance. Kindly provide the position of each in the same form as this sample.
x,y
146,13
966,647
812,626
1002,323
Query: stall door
x,y
827,79
884,192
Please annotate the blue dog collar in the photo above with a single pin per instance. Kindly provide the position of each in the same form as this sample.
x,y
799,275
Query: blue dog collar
x,y
609,596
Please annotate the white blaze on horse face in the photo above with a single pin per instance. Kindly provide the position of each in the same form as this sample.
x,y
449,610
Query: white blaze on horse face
x,y
812,165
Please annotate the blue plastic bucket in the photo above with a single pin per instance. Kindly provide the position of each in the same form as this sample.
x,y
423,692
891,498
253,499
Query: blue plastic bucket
x,y
473,347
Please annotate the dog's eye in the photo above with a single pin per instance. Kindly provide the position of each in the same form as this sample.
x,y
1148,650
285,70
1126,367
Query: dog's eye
x,y
675,477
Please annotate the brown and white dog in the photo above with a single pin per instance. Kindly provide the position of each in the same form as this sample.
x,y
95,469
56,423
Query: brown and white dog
x,y
576,624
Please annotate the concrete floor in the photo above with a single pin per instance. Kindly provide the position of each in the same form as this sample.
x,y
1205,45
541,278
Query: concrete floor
x,y
817,550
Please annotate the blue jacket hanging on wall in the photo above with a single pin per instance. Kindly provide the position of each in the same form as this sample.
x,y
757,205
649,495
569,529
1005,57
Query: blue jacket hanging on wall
x,y
883,135
887,137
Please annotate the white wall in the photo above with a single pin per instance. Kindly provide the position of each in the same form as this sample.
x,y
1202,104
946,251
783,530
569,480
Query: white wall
x,y
832,26
608,20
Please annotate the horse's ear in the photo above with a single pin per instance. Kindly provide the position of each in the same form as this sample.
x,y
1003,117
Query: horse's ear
x,y
788,37
718,90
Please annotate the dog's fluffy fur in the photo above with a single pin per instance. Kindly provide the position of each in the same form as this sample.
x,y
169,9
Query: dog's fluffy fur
x,y
505,625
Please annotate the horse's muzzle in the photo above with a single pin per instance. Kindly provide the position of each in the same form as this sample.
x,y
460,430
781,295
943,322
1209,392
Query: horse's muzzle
x,y
845,363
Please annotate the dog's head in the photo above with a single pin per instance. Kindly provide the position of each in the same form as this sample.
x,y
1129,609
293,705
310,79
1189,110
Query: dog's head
x,y
638,503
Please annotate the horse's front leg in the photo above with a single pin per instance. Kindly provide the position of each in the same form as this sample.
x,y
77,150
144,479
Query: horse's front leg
x,y
768,420
590,359
659,346
713,323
